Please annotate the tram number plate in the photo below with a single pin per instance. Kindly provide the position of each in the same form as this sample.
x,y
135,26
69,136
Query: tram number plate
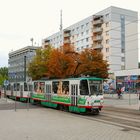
x,y
96,104
95,107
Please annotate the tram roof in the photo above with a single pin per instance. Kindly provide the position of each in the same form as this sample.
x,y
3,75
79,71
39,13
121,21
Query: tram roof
x,y
87,78
73,78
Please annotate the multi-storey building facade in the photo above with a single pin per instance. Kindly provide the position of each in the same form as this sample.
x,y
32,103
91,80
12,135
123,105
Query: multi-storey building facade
x,y
18,61
113,31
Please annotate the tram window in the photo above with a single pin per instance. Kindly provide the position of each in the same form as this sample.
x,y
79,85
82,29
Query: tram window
x,y
16,87
65,87
35,86
84,87
25,87
95,89
55,87
39,87
30,87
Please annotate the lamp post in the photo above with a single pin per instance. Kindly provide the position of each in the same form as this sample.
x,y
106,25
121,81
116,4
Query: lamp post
x,y
32,40
25,68
16,91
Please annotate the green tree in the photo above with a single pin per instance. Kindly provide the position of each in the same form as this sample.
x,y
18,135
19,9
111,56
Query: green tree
x,y
3,74
37,68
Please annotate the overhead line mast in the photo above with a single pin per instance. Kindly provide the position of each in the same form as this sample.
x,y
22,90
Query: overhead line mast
x,y
61,27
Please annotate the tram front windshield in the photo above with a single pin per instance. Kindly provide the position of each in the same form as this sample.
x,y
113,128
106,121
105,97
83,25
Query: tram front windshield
x,y
95,87
90,87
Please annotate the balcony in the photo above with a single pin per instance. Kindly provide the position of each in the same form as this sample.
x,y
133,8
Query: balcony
x,y
46,41
67,35
67,41
97,30
97,38
98,46
96,22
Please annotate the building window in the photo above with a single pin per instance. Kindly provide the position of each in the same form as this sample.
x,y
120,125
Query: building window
x,y
87,39
82,40
82,26
87,24
123,67
72,44
77,35
122,50
107,49
107,58
107,24
77,42
87,31
107,41
77,28
87,46
107,15
107,33
123,59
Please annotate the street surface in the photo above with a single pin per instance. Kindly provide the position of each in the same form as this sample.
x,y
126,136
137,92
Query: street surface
x,y
39,123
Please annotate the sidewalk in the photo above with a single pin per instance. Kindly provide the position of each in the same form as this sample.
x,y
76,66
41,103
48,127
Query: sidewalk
x,y
129,101
5,100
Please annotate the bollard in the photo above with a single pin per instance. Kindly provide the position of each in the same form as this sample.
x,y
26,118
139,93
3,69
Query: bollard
x,y
139,101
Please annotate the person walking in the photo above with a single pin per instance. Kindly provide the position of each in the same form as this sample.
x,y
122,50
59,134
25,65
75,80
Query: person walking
x,y
0,93
119,93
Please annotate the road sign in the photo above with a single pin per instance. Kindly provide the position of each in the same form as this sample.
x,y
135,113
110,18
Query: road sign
x,y
6,82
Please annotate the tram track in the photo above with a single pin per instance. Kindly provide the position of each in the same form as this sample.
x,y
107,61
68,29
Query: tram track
x,y
128,119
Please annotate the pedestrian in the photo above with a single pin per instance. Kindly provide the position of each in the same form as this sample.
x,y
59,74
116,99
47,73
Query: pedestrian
x,y
119,92
0,93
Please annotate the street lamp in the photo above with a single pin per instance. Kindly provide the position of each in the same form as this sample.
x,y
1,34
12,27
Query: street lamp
x,y
16,91
32,40
25,68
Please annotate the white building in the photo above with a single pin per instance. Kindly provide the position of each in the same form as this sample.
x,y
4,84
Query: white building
x,y
113,31
18,62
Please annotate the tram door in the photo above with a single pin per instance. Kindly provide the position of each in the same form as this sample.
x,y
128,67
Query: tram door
x,y
21,90
12,90
48,92
74,94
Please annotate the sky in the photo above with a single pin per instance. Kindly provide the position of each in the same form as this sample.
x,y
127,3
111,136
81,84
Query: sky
x,y
21,20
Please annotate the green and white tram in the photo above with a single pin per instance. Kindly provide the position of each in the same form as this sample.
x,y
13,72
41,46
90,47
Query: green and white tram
x,y
18,91
81,95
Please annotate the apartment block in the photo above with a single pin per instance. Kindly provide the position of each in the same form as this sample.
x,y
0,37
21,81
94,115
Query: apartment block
x,y
113,31
18,62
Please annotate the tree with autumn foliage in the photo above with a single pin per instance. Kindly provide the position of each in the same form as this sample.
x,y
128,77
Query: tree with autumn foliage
x,y
65,62
37,68
61,64
91,63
